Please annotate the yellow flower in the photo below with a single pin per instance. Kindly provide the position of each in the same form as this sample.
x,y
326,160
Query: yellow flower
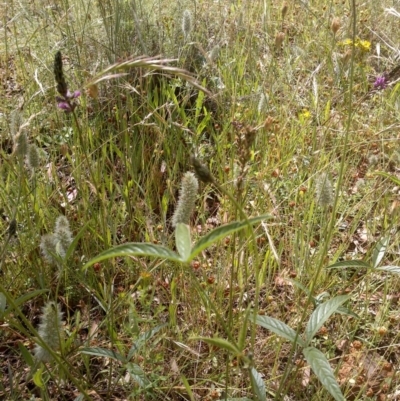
x,y
304,115
364,45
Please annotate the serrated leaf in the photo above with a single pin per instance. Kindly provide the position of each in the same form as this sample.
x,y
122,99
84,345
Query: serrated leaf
x,y
349,263
321,314
103,353
182,240
142,340
389,269
322,369
220,343
379,251
3,302
258,385
279,328
222,232
137,374
135,249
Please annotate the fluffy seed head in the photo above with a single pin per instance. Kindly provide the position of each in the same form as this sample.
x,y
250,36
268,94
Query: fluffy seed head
x,y
324,190
48,247
187,199
284,9
16,122
279,38
21,144
63,236
33,157
50,331
335,25
186,23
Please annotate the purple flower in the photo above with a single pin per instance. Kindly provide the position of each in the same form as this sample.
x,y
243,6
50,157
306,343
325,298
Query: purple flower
x,y
380,82
67,102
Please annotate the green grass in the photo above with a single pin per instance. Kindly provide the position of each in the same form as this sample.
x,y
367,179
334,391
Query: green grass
x,y
139,327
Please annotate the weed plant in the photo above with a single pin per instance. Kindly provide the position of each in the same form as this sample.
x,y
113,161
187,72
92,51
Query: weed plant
x,y
199,200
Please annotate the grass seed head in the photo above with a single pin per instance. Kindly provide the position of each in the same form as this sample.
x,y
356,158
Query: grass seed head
x,y
279,38
21,144
335,25
201,170
324,190
187,23
62,88
50,331
33,157
187,199
284,9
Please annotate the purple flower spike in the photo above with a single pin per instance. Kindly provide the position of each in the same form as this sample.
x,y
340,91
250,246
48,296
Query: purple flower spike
x,y
380,82
67,103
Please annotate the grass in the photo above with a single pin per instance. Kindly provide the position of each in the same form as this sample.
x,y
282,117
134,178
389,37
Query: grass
x,y
280,106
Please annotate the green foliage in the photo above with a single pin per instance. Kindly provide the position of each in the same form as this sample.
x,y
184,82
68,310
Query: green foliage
x,y
316,359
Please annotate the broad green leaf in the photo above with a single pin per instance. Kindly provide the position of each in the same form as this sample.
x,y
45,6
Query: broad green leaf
x,y
321,314
3,302
223,231
346,311
135,249
220,343
379,251
183,241
323,371
142,340
103,353
258,385
350,263
279,328
389,269
138,375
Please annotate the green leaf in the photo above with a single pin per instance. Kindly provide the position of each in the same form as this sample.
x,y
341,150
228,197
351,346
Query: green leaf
x,y
26,355
135,249
103,353
320,366
389,269
143,339
321,314
22,299
386,175
187,388
38,379
379,251
138,375
182,239
220,343
3,302
350,263
279,328
223,231
258,385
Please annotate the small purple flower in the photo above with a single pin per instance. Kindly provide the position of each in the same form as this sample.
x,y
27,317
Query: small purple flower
x,y
67,102
380,82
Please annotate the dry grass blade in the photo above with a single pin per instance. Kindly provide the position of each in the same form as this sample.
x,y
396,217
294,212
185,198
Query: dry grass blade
x,y
160,65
